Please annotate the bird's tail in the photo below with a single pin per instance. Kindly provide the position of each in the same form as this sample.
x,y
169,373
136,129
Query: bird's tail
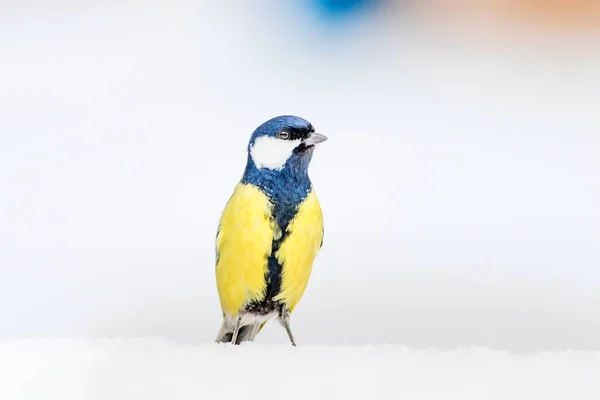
x,y
246,333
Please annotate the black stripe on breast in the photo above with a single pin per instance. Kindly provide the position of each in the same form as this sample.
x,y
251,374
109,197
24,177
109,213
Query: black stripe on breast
x,y
282,215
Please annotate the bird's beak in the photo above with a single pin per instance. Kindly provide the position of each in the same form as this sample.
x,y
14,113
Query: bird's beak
x,y
314,138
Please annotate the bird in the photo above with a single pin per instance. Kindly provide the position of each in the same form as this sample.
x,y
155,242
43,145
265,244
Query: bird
x,y
269,232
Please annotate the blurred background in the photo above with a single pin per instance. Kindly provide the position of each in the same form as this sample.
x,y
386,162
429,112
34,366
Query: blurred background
x,y
460,183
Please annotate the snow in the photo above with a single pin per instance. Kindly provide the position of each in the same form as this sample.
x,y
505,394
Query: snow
x,y
156,368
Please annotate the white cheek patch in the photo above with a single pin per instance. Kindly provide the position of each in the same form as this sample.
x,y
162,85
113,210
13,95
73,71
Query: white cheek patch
x,y
270,152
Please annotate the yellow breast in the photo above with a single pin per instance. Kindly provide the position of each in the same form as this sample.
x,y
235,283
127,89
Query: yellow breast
x,y
299,249
244,244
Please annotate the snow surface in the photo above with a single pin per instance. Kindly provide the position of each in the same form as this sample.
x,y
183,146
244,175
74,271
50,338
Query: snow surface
x,y
155,368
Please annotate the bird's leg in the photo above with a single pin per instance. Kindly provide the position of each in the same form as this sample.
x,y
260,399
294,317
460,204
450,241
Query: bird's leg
x,y
255,328
236,330
284,320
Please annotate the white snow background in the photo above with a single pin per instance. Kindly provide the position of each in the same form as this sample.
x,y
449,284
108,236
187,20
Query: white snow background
x,y
159,369
460,188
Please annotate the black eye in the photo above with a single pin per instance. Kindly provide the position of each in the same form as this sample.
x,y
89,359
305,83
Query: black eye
x,y
284,135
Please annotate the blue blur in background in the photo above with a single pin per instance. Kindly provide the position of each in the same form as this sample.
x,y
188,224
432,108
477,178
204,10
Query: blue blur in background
x,y
337,20
340,8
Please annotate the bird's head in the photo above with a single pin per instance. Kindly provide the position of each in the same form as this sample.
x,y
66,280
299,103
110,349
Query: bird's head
x,y
284,142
